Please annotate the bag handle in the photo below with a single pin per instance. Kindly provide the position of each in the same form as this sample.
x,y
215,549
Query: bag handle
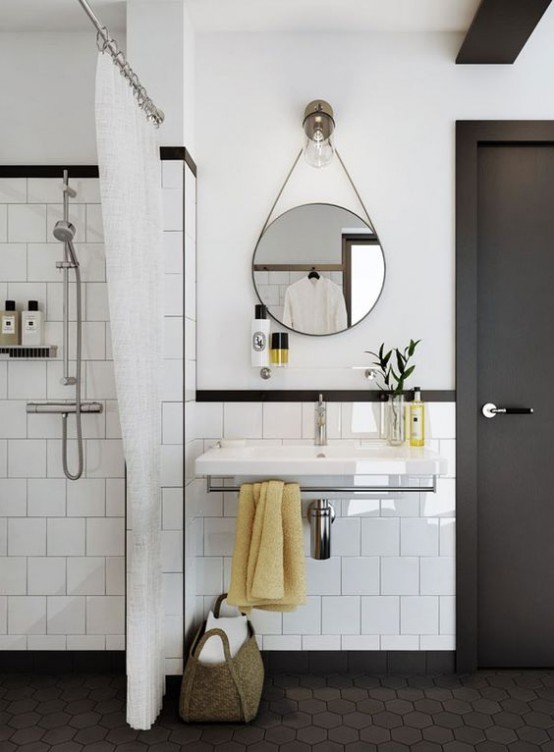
x,y
211,633
218,603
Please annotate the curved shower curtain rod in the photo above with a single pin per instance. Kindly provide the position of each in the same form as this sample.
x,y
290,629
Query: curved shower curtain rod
x,y
107,44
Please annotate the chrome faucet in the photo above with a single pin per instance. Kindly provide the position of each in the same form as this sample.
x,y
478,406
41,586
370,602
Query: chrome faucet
x,y
320,422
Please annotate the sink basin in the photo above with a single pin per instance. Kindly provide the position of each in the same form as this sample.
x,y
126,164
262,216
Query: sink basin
x,y
296,460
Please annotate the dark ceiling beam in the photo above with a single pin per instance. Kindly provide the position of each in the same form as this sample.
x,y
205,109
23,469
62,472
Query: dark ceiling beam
x,y
500,30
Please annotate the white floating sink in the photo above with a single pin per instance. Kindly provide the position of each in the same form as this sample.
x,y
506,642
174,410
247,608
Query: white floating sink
x,y
298,460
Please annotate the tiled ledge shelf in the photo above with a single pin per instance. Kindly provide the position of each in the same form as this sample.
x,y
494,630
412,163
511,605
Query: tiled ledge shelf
x,y
24,351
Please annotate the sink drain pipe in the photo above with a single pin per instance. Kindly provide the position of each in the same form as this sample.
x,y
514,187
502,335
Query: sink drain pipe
x,y
321,515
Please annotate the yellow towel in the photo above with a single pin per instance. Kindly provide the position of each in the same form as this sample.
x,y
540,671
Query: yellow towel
x,y
268,568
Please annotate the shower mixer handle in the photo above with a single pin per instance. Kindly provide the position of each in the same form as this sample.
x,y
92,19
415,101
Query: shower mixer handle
x,y
68,380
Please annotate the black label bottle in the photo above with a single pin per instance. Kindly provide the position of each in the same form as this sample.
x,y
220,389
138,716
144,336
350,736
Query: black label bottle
x,y
9,324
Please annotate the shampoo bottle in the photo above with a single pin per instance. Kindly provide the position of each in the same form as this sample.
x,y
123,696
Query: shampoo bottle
x,y
31,325
259,338
417,420
9,324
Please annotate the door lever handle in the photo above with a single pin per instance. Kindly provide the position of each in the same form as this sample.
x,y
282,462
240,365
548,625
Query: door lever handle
x,y
490,410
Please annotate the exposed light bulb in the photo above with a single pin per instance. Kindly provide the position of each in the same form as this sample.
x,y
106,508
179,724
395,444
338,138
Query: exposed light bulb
x,y
318,126
318,151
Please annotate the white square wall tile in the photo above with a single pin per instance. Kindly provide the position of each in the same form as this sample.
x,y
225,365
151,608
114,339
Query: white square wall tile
x,y
65,614
172,585
105,459
41,260
100,380
26,537
94,224
172,381
380,615
209,575
46,497
360,575
305,620
282,642
27,380
441,420
443,502
65,537
267,622
360,642
86,576
447,614
399,642
437,642
171,465
324,577
360,420
3,224
345,535
400,575
321,642
86,498
13,419
438,576
92,257
209,420
447,537
27,223
13,498
219,536
106,615
105,537
47,642
419,537
172,202
47,575
87,642
13,190
26,615
27,458
340,615
115,497
13,260
242,420
44,190
14,575
419,614
380,536
115,575
3,536
282,420
97,307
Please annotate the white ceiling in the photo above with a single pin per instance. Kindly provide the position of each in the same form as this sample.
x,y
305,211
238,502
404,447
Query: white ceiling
x,y
255,15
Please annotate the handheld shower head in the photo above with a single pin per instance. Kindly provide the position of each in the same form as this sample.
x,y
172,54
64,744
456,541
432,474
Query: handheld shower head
x,y
64,231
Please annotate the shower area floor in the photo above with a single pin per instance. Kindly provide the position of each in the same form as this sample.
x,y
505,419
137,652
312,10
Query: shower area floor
x,y
489,711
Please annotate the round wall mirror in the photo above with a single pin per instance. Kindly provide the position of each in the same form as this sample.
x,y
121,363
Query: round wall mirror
x,y
319,269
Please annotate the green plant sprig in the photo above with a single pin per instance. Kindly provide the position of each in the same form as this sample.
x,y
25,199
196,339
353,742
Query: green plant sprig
x,y
393,377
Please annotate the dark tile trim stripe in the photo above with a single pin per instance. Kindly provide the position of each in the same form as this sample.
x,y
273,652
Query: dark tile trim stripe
x,y
311,395
167,153
360,662
62,661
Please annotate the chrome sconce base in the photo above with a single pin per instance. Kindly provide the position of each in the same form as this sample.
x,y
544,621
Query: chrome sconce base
x,y
321,515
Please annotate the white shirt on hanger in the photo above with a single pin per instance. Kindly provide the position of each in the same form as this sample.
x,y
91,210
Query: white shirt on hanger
x,y
315,306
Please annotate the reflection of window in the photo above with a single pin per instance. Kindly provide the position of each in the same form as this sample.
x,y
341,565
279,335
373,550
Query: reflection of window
x,y
364,271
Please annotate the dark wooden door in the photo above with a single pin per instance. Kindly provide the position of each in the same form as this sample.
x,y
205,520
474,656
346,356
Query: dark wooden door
x,y
514,364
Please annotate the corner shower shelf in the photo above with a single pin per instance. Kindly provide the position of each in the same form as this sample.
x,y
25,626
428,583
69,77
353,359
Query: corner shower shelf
x,y
24,351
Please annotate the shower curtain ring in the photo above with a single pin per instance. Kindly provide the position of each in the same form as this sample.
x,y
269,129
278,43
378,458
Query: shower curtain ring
x,y
102,39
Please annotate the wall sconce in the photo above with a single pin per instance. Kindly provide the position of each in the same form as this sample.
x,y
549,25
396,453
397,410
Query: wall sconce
x,y
318,125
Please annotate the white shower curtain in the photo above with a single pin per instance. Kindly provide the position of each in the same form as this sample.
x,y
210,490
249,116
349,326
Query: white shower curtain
x,y
130,185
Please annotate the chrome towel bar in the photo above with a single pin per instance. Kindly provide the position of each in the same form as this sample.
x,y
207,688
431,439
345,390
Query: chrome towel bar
x,y
211,488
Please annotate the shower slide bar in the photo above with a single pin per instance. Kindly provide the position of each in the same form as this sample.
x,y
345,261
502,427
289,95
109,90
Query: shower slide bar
x,y
107,44
432,488
64,408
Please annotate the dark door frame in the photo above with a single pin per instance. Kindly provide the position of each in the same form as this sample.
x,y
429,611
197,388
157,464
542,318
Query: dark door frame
x,y
470,134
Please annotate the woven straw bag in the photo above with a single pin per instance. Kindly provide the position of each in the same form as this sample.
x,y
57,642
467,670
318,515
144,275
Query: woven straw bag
x,y
229,691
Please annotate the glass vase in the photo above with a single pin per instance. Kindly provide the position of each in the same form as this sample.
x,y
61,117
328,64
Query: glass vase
x,y
395,423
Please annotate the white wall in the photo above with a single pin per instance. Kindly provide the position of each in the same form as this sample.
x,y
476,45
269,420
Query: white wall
x,y
47,85
396,98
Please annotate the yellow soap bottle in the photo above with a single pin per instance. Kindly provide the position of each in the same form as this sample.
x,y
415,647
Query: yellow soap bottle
x,y
417,420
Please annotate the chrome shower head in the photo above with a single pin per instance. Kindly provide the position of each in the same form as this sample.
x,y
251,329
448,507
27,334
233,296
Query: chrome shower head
x,y
64,231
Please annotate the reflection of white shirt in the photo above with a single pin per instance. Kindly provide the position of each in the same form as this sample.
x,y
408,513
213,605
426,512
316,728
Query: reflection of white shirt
x,y
315,306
